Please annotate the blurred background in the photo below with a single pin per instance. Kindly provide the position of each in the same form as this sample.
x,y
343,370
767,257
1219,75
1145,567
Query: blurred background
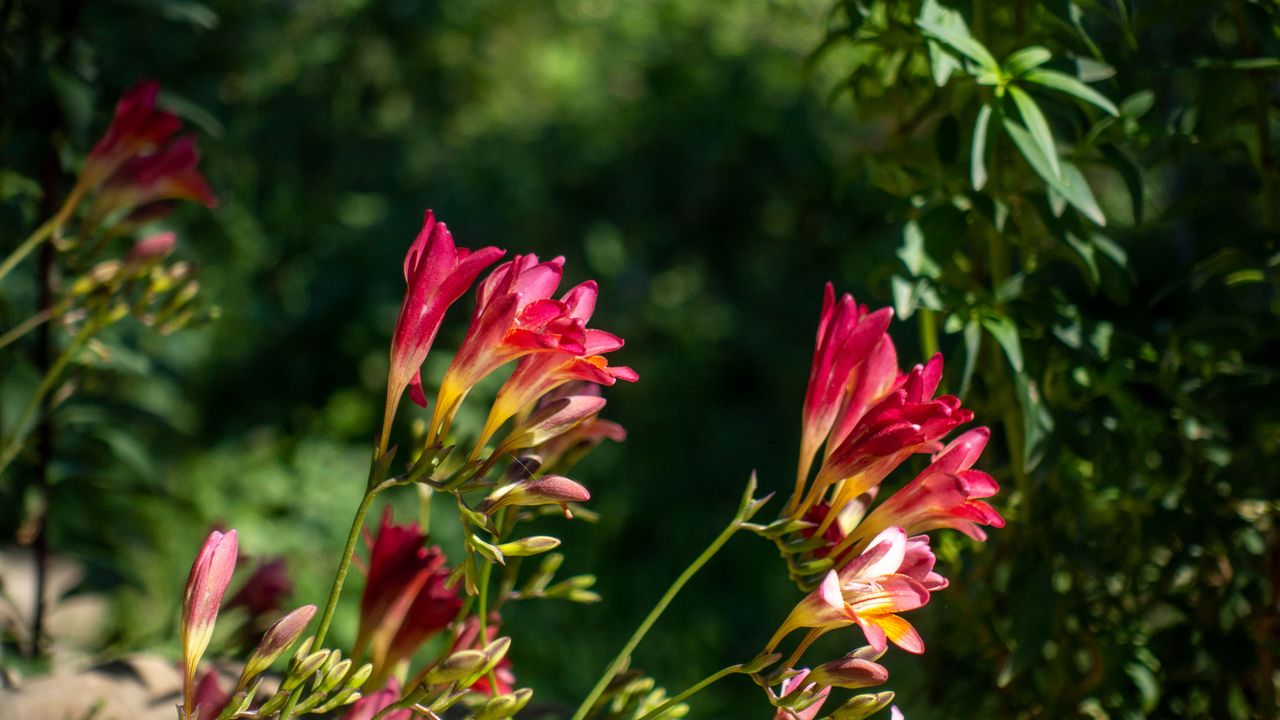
x,y
712,164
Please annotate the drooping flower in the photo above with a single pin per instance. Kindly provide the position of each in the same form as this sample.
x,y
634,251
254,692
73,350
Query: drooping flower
x,y
210,574
375,702
169,173
946,494
562,451
870,591
541,490
797,682
137,128
514,316
542,373
858,669
437,273
406,600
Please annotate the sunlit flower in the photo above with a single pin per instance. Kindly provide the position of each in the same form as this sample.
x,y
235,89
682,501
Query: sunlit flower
x,y
210,574
406,600
847,335
539,374
437,273
541,490
514,316
891,576
946,494
563,450
858,669
797,682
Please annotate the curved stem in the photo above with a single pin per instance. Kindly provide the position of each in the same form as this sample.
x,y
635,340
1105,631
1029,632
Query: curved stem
x,y
693,690
42,233
621,659
20,431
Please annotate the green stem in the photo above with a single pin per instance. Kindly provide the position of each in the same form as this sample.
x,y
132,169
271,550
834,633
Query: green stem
x,y
623,655
483,593
20,429
693,690
42,233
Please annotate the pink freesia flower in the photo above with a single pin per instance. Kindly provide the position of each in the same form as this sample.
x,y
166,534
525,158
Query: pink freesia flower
x,y
847,336
138,127
946,494
870,591
797,682
375,702
437,273
514,316
210,575
405,600
542,373
909,420
856,670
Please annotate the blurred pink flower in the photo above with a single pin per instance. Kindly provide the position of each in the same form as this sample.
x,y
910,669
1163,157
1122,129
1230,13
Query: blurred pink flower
x,y
468,638
138,127
168,173
265,590
372,703
797,682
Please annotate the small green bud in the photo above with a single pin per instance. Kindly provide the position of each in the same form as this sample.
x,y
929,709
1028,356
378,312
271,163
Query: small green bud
x,y
334,676
461,664
525,547
860,707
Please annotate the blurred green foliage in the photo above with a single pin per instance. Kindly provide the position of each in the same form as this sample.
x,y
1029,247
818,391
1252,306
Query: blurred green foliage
x,y
1098,264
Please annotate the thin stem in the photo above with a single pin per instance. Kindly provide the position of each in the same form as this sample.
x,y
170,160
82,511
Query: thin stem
x,y
693,690
31,323
20,429
42,233
483,593
625,653
344,565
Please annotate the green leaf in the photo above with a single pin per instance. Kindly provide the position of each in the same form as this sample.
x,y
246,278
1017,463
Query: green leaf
x,y
1038,125
1071,86
972,346
978,151
1070,184
957,37
1006,333
1026,59
1137,104
1132,175
913,253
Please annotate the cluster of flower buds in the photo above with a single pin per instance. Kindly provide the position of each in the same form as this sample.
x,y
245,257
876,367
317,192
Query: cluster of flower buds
x,y
865,564
332,681
141,284
632,695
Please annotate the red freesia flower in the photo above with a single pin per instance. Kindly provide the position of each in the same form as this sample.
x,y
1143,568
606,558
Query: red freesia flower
x,y
514,316
265,590
539,374
210,697
137,128
405,600
847,336
946,494
437,273
169,173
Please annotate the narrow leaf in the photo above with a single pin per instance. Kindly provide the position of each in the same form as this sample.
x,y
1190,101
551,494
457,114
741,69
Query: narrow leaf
x,y
959,39
1026,59
1038,126
1071,86
1006,333
1070,184
978,151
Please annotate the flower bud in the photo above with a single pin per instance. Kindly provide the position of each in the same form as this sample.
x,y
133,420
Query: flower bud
x,y
545,490
525,547
459,665
151,248
860,707
504,706
210,575
277,640
334,676
849,672
305,669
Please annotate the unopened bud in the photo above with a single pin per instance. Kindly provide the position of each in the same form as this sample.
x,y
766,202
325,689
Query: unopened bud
x,y
459,665
849,672
860,707
360,677
151,248
335,676
305,669
545,490
277,640
525,547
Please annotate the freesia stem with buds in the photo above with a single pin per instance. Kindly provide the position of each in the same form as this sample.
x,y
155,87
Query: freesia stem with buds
x,y
692,690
